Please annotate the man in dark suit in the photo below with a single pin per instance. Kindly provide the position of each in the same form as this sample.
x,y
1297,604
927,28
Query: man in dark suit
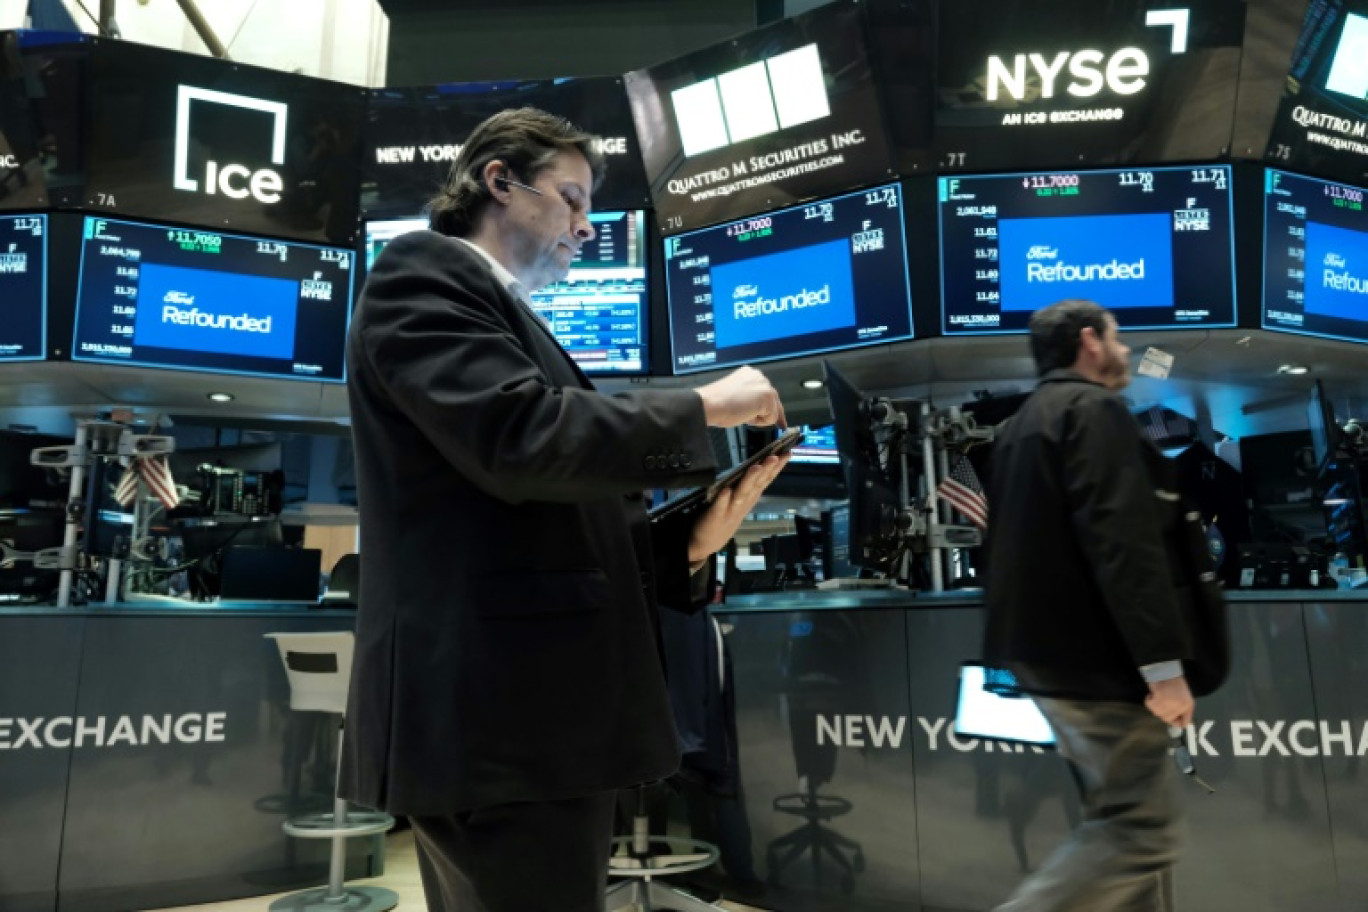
x,y
507,678
1082,606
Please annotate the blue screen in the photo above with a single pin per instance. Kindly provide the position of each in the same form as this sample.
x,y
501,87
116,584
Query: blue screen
x,y
823,276
1153,245
784,294
198,300
1337,273
23,287
1315,257
1119,261
201,310
818,446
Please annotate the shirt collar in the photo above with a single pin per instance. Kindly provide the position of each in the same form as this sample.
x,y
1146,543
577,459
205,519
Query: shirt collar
x,y
506,279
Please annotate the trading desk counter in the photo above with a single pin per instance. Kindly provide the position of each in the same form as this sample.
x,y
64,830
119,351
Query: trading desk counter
x,y
844,701
148,756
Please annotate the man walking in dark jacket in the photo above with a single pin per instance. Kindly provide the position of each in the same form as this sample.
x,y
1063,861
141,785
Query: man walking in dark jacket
x,y
1081,606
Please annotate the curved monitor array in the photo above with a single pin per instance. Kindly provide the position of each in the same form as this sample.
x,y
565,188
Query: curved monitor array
x,y
757,197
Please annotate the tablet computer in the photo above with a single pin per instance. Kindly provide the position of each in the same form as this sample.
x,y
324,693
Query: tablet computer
x,y
701,497
991,706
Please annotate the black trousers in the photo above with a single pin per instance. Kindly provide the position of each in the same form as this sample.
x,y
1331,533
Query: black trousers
x,y
533,857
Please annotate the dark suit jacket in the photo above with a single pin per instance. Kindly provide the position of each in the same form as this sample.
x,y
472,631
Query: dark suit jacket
x,y
1079,591
507,647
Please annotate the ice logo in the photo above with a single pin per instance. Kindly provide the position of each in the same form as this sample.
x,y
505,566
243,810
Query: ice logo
x,y
1042,252
1334,261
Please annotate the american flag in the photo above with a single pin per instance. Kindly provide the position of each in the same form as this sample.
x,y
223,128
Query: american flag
x,y
963,491
155,471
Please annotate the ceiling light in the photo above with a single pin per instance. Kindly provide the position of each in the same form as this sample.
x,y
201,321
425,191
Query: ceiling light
x,y
1295,370
220,397
812,384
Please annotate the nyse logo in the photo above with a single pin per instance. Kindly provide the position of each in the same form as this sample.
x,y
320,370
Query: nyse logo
x,y
1122,72
13,263
315,289
760,98
235,181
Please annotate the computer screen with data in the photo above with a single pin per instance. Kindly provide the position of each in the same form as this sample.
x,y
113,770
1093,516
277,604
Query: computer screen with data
x,y
189,299
599,313
1152,245
826,275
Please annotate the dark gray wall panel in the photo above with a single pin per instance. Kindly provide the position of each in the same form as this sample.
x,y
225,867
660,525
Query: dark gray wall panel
x,y
161,824
1262,842
806,681
39,664
1337,636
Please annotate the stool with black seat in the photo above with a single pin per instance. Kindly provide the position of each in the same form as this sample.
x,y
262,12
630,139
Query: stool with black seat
x,y
318,666
633,860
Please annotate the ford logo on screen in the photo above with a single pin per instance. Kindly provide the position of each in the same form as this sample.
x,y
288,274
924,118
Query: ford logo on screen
x,y
1343,280
210,311
781,295
1119,261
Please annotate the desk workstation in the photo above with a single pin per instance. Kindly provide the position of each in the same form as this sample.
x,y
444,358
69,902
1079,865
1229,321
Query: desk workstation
x,y
851,696
148,757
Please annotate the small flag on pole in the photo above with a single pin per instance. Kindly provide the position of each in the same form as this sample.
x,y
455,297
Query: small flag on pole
x,y
963,491
156,473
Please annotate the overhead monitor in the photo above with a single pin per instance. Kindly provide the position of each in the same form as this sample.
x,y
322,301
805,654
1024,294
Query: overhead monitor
x,y
1315,257
413,135
827,275
41,144
195,300
1052,84
23,287
200,141
784,113
1152,245
600,312
1320,122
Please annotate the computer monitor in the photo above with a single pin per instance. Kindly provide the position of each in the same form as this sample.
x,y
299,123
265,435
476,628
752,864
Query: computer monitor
x,y
827,275
23,287
600,312
1152,245
1325,431
818,447
1315,253
869,460
201,300
207,539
